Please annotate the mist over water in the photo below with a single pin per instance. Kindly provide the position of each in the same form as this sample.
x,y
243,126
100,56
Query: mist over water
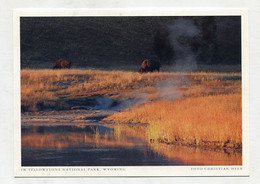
x,y
167,91
139,99
164,91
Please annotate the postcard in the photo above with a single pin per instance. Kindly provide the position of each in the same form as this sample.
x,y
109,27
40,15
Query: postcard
x,y
131,92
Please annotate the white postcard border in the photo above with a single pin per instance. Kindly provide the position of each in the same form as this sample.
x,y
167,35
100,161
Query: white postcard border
x,y
97,171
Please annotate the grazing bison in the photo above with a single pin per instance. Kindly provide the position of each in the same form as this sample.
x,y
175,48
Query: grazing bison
x,y
149,66
61,64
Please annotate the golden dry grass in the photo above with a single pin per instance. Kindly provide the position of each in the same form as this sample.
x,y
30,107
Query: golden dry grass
x,y
45,87
196,120
192,108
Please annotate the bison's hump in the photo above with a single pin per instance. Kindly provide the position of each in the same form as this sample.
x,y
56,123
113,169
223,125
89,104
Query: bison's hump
x,y
62,63
149,66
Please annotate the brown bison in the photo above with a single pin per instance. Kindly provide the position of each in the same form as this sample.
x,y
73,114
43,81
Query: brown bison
x,y
61,64
149,66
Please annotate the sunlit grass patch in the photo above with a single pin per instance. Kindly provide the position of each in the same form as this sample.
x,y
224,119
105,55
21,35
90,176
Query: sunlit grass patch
x,y
199,120
192,108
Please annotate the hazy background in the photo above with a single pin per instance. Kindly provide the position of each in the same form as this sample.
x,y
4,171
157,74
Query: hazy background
x,y
123,42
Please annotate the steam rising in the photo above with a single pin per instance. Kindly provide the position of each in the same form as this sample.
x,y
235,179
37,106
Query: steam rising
x,y
107,103
182,33
167,91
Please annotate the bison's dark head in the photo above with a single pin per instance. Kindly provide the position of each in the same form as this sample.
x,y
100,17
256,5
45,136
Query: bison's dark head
x,y
56,67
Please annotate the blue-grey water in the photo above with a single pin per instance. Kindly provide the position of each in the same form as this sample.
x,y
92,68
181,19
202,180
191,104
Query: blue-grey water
x,y
87,145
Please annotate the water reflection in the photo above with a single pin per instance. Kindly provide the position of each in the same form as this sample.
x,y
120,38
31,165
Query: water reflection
x,y
107,145
91,145
197,156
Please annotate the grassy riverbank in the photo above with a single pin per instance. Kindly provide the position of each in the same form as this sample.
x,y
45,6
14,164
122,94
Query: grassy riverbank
x,y
180,108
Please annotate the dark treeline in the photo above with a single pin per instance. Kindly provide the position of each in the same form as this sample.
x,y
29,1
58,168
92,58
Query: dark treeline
x,y
113,41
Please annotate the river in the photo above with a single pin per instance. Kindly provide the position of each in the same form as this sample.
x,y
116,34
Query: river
x,y
67,142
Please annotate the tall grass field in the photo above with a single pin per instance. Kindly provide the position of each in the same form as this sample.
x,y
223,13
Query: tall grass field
x,y
199,108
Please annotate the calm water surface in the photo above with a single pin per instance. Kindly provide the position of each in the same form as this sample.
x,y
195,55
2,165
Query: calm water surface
x,y
105,145
87,145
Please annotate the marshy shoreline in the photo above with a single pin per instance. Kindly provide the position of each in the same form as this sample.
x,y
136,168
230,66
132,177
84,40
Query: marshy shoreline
x,y
201,110
80,119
